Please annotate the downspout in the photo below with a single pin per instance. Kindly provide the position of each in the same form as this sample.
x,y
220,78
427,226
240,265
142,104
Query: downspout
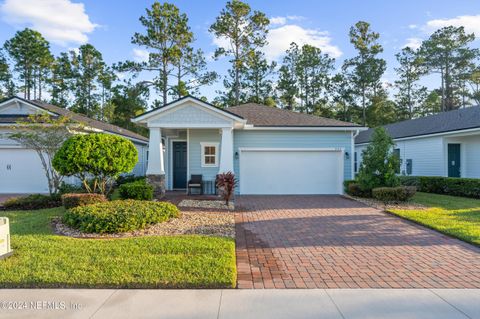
x,y
354,135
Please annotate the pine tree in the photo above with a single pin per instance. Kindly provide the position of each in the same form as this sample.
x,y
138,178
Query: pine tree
x,y
87,69
366,69
409,94
245,32
258,78
31,53
446,52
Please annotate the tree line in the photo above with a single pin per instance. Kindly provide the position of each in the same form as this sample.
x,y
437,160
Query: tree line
x,y
305,80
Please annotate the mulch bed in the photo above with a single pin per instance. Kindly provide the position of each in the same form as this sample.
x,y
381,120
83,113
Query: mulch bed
x,y
209,204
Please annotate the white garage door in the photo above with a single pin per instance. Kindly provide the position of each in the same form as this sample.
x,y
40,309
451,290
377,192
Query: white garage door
x,y
21,172
291,171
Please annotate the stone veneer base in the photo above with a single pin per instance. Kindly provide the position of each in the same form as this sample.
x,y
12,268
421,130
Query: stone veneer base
x,y
158,183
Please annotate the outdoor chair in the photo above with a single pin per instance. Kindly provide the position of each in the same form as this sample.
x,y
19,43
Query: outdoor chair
x,y
196,181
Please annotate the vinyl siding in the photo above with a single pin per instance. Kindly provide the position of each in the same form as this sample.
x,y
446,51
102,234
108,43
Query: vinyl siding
x,y
427,155
197,136
293,139
141,166
472,156
190,114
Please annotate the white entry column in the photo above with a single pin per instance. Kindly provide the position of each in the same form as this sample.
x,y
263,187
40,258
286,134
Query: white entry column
x,y
226,151
155,167
155,153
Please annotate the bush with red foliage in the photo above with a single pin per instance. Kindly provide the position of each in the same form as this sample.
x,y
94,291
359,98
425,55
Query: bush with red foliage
x,y
226,183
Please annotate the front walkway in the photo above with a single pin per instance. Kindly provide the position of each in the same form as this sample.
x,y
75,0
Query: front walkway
x,y
258,304
334,242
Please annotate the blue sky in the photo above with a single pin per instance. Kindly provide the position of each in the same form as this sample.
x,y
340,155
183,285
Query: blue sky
x,y
109,25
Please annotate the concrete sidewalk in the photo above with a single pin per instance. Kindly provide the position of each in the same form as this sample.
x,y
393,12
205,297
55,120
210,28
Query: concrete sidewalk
x,y
278,304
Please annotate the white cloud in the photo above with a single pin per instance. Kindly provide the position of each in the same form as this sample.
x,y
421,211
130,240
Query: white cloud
x,y
470,22
281,35
412,26
279,40
284,20
140,55
60,21
278,20
210,56
413,43
221,42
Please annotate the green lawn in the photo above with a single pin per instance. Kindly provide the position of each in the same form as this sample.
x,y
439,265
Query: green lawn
x,y
42,259
456,216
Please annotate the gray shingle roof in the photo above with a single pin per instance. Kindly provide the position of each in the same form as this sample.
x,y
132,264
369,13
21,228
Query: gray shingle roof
x,y
262,115
77,118
460,119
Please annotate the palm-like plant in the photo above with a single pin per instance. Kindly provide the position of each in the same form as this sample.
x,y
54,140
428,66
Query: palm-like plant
x,y
226,182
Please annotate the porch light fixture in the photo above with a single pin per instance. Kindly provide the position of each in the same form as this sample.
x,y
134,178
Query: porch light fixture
x,y
347,155
236,155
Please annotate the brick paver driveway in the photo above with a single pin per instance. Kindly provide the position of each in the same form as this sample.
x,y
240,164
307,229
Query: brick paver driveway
x,y
334,242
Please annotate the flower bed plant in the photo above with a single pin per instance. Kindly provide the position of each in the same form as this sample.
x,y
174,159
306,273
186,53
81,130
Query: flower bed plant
x,y
82,199
119,216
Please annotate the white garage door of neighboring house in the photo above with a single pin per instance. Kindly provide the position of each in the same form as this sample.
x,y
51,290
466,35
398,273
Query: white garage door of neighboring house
x,y
21,172
291,171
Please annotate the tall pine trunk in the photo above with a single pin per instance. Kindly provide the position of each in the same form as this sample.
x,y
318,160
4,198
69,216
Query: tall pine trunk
x,y
164,84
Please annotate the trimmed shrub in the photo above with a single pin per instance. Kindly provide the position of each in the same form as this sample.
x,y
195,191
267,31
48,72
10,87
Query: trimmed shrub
x,y
101,156
81,199
129,178
31,202
119,216
354,189
455,186
136,190
394,194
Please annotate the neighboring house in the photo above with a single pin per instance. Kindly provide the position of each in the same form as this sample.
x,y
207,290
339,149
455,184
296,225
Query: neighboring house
x,y
444,144
270,150
21,170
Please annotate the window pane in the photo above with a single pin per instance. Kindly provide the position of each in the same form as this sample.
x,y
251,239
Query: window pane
x,y
209,150
209,159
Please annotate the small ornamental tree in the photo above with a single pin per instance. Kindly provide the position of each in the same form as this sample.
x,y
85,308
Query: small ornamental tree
x,y
379,163
96,159
44,134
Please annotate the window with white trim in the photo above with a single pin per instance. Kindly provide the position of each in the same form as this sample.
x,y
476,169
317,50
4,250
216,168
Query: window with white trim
x,y
209,154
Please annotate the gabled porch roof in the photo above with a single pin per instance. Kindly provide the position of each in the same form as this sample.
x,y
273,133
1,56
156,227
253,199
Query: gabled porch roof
x,y
150,116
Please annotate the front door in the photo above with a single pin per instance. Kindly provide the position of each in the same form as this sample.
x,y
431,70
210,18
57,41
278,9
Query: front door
x,y
453,160
179,165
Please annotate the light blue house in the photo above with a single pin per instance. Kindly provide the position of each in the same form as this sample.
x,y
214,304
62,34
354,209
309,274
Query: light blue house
x,y
444,144
270,150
